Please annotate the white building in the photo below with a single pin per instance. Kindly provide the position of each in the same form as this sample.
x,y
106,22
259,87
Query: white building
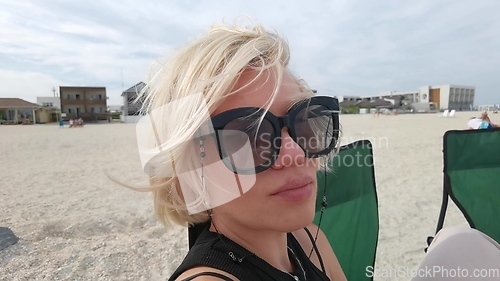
x,y
131,107
487,107
426,98
49,102
115,108
348,98
456,97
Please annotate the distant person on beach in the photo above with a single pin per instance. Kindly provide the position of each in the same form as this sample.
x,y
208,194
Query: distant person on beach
x,y
482,122
80,122
242,140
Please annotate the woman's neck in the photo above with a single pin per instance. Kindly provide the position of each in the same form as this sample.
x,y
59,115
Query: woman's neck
x,y
270,246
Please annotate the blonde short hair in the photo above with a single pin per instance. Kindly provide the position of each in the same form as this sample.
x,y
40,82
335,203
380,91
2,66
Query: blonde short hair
x,y
211,65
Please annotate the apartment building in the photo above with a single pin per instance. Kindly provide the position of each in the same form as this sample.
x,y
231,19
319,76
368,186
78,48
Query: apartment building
x,y
88,103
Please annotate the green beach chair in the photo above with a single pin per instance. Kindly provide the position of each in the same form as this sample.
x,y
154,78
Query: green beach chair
x,y
350,220
472,178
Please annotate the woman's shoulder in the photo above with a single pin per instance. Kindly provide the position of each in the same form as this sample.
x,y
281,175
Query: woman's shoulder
x,y
326,255
203,273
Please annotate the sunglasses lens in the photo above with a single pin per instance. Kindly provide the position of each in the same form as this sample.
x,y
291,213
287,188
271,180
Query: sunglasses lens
x,y
315,129
246,144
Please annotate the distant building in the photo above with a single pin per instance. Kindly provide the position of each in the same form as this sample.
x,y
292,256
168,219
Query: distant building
x,y
88,103
50,110
449,96
17,111
365,102
432,97
487,107
348,98
132,106
115,108
54,102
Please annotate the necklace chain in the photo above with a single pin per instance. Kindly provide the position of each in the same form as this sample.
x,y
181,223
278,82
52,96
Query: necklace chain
x,y
297,261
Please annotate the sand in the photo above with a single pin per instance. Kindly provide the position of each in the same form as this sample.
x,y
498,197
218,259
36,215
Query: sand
x,y
76,224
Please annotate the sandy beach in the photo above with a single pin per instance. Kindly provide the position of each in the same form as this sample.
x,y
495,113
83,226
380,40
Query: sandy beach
x,y
76,224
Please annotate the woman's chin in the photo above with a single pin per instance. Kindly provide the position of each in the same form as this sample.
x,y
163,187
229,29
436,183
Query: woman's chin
x,y
299,221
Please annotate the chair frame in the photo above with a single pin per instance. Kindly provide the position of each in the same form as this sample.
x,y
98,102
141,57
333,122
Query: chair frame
x,y
447,188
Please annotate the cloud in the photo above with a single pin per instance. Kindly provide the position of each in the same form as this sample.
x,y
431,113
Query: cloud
x,y
339,47
28,85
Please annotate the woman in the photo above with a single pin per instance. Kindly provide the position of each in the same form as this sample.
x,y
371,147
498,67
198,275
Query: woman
x,y
229,160
482,122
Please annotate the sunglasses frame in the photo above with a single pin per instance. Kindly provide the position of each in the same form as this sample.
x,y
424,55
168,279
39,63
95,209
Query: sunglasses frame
x,y
278,123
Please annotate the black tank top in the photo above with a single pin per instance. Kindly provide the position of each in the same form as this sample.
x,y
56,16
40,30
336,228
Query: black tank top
x,y
216,251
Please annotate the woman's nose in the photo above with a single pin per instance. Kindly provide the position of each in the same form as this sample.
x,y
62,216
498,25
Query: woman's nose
x,y
291,154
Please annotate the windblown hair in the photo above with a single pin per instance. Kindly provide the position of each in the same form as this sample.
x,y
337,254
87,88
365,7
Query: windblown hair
x,y
210,66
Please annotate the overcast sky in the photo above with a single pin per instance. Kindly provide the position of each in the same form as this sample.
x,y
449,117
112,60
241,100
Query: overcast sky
x,y
340,47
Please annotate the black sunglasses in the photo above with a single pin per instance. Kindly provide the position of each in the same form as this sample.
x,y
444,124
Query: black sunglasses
x,y
249,138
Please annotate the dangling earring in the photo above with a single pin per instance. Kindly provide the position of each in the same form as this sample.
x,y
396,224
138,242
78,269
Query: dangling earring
x,y
202,157
202,198
324,204
210,215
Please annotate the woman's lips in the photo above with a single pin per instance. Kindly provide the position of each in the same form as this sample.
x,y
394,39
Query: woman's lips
x,y
295,190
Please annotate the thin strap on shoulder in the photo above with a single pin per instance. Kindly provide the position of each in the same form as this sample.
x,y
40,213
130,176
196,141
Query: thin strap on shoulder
x,y
214,274
315,249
